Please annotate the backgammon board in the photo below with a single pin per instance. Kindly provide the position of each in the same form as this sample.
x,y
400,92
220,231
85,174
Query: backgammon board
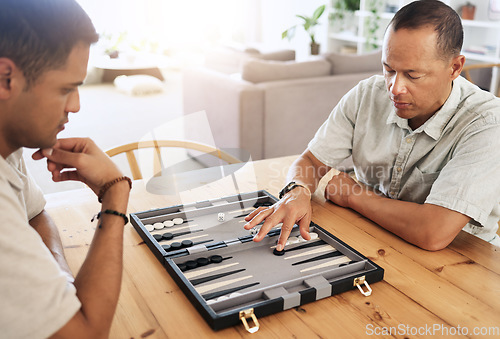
x,y
231,279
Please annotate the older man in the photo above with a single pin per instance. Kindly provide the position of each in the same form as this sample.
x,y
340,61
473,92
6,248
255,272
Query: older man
x,y
424,141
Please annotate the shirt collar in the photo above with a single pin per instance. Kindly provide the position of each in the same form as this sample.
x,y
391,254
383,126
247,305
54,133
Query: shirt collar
x,y
394,119
433,127
8,169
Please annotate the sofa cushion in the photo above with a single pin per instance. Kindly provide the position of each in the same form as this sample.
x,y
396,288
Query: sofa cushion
x,y
229,60
352,63
138,84
263,71
281,55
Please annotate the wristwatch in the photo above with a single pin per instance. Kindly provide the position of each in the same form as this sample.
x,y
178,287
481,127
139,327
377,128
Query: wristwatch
x,y
290,186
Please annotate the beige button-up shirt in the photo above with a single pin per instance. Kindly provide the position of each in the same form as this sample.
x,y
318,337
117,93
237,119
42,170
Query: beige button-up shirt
x,y
36,297
452,160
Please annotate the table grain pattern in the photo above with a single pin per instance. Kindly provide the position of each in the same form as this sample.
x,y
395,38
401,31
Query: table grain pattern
x,y
457,286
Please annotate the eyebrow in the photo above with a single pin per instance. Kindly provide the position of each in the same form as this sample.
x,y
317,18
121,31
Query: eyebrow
x,y
76,84
406,71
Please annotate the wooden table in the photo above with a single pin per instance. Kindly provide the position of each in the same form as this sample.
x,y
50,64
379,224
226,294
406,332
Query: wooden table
x,y
446,292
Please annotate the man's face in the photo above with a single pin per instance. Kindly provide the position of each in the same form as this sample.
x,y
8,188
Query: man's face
x,y
40,112
418,81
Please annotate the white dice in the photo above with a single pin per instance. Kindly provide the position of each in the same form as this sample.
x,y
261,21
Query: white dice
x,y
220,216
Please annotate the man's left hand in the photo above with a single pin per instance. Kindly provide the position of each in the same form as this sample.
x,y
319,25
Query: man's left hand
x,y
341,187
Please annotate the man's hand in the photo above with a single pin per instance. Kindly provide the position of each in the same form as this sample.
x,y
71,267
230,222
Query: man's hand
x,y
79,159
293,208
341,187
428,226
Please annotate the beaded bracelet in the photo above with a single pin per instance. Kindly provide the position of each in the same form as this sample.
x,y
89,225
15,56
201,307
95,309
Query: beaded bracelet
x,y
106,186
113,212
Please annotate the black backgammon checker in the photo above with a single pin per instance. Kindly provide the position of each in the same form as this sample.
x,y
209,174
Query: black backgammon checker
x,y
229,278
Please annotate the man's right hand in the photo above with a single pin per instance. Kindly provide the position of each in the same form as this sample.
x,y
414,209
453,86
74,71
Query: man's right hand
x,y
79,159
293,208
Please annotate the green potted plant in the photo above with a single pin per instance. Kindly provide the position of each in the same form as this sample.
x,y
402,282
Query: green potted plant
x,y
309,23
343,6
372,23
113,43
343,12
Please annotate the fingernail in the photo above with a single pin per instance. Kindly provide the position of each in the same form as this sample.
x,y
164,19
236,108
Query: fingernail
x,y
279,247
47,151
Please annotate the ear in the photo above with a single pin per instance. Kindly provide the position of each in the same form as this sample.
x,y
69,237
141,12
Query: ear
x,y
457,64
11,78
5,77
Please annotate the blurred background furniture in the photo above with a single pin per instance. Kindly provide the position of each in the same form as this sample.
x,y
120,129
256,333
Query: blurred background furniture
x,y
476,78
272,108
131,64
229,59
157,145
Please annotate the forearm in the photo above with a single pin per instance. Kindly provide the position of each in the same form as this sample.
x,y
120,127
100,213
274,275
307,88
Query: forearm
x,y
428,226
307,171
99,279
49,233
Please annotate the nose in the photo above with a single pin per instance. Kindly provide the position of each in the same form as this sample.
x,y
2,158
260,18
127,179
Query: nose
x,y
73,103
397,84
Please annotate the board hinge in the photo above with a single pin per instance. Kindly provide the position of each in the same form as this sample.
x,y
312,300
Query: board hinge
x,y
249,314
362,281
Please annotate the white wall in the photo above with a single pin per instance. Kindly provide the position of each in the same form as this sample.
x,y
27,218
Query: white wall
x,y
201,23
270,18
173,24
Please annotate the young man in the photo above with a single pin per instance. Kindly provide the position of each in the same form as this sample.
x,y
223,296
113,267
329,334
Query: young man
x,y
44,50
423,139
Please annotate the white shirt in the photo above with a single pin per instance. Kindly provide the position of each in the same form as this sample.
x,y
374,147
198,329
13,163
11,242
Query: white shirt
x,y
36,298
452,160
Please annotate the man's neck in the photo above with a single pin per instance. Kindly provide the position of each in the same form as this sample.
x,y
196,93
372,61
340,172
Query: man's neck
x,y
419,121
5,149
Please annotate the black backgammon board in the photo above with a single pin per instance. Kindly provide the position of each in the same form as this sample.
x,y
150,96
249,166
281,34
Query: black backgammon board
x,y
231,279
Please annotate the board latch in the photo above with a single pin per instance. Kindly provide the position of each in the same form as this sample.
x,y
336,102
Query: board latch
x,y
246,314
361,281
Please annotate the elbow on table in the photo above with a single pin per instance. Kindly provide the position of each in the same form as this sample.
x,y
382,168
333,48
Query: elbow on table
x,y
80,327
88,333
437,227
434,245
432,240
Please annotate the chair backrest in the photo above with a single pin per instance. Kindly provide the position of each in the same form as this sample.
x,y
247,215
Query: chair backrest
x,y
129,149
466,70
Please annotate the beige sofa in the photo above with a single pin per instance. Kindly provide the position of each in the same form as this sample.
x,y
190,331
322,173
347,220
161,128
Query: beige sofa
x,y
271,108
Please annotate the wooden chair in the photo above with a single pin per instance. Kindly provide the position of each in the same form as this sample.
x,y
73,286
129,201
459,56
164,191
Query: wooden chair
x,y
129,149
466,71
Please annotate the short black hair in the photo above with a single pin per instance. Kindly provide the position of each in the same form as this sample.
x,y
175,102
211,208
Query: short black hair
x,y
443,18
39,35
